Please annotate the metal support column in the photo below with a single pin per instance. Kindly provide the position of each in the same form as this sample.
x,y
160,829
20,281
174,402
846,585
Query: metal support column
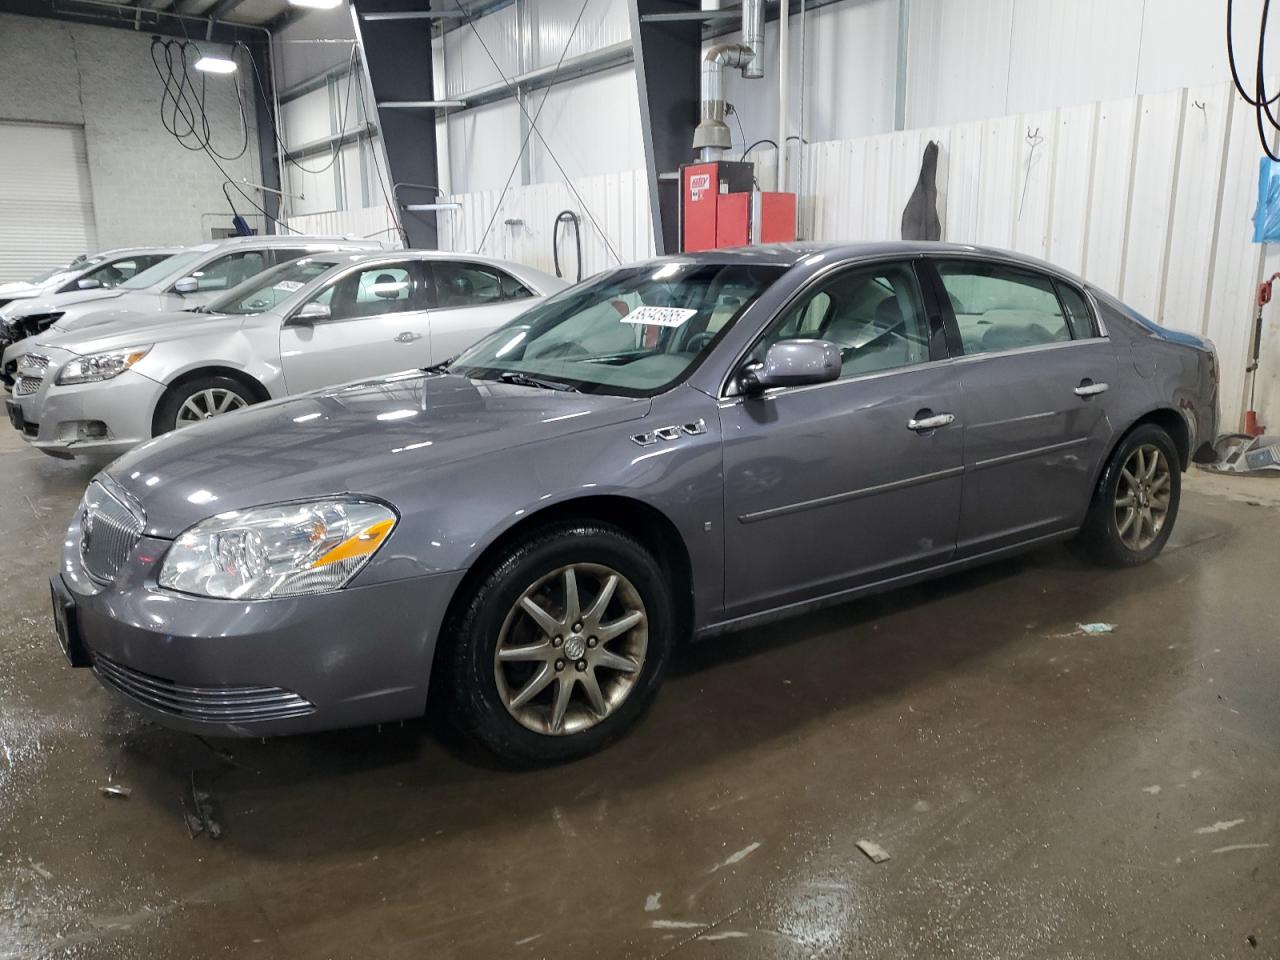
x,y
397,57
269,164
667,52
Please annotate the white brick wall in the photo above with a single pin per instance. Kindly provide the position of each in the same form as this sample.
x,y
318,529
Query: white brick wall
x,y
146,187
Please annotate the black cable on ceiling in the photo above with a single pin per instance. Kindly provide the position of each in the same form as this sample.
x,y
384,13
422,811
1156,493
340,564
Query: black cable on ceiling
x,y
1266,119
182,102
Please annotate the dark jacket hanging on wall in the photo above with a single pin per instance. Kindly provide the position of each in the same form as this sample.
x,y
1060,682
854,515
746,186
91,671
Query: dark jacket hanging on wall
x,y
920,218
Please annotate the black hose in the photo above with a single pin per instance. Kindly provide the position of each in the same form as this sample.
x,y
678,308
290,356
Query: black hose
x,y
567,216
1259,101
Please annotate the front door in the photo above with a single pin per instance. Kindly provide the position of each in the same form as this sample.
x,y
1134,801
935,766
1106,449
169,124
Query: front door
x,y
851,482
1034,381
376,325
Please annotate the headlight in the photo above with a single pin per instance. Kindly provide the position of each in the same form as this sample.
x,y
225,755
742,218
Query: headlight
x,y
101,366
283,551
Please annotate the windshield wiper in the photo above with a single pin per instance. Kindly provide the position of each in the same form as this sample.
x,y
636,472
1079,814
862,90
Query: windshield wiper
x,y
524,380
441,367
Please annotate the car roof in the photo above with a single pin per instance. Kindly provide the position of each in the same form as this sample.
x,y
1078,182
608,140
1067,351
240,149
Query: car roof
x,y
287,240
797,252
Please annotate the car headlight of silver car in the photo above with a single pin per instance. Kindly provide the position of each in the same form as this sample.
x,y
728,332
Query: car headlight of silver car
x,y
288,550
100,366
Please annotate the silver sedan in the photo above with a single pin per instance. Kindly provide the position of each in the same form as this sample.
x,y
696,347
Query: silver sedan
x,y
313,322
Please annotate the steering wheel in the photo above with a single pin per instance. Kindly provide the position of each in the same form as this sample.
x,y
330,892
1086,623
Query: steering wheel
x,y
699,341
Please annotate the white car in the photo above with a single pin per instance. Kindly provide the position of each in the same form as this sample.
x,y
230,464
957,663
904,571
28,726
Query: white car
x,y
321,320
102,271
182,282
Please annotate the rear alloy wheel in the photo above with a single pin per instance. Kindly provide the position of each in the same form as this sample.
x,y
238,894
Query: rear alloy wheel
x,y
201,399
1136,501
561,646
1142,497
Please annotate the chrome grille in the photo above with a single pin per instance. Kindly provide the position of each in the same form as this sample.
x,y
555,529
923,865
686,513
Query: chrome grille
x,y
211,704
109,530
31,373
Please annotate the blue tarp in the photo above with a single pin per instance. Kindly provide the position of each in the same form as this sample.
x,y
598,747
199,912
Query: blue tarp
x,y
1266,219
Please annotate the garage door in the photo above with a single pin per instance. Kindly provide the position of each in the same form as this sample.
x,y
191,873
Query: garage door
x,y
46,206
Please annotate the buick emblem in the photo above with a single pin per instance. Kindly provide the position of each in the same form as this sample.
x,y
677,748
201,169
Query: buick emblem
x,y
86,529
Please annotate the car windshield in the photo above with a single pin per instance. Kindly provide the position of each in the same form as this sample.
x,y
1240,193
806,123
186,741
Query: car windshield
x,y
61,269
164,269
272,288
634,332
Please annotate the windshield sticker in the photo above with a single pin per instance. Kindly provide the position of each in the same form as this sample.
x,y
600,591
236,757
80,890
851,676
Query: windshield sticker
x,y
289,286
659,316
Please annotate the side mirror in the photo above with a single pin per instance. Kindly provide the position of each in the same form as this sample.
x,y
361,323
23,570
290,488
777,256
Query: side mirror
x,y
792,363
87,284
187,285
310,313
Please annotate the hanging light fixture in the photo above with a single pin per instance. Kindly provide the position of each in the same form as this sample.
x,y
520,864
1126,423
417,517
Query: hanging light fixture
x,y
210,64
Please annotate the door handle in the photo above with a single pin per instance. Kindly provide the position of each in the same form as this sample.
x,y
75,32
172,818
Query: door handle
x,y
1088,388
930,422
407,337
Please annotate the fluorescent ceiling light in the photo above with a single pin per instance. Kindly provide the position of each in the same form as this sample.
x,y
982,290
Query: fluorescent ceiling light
x,y
316,4
216,65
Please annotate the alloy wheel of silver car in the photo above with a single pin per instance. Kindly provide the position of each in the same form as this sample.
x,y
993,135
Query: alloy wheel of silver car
x,y
571,649
208,403
1143,497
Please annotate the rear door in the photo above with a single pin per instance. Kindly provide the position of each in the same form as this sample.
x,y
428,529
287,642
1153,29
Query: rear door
x,y
377,324
470,300
1034,375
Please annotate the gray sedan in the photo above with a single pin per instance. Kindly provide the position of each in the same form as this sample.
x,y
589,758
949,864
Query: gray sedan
x,y
672,449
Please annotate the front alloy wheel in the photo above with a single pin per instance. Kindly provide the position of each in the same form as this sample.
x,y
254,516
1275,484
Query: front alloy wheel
x,y
560,644
208,403
571,649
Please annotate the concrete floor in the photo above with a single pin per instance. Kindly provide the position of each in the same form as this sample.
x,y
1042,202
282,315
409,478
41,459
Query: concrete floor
x,y
1041,792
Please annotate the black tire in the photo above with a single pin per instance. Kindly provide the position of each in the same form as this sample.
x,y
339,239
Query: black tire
x,y
469,663
171,404
1100,539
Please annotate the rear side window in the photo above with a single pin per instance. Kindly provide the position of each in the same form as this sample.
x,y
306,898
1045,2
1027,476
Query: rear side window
x,y
473,284
1079,317
998,308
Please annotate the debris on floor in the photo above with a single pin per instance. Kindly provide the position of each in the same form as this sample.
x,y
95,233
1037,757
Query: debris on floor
x,y
1093,629
738,857
200,817
116,790
653,902
875,853
1241,453
1252,941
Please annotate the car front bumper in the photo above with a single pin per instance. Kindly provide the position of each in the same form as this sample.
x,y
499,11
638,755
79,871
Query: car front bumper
x,y
353,657
98,420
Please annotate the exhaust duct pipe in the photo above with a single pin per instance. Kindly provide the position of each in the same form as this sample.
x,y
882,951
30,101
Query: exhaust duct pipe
x,y
712,135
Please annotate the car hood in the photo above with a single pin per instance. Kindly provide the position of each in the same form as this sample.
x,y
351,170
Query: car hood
x,y
19,288
59,301
377,438
136,330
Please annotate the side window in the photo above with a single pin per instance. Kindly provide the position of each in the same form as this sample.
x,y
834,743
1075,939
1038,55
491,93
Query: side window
x,y
1079,317
375,291
873,314
284,255
228,271
473,284
110,274
999,308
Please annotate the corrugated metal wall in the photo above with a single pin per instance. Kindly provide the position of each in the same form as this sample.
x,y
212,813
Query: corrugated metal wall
x,y
522,229
373,223
1149,198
